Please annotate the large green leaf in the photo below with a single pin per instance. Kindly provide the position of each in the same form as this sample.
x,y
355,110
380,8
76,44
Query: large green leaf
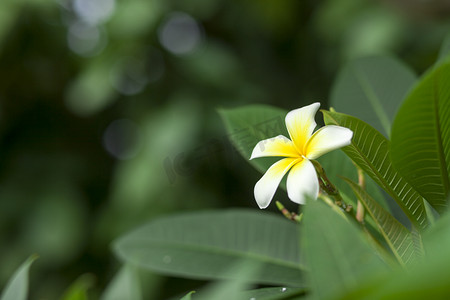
x,y
17,286
205,244
421,137
247,125
396,235
370,151
428,279
372,89
338,255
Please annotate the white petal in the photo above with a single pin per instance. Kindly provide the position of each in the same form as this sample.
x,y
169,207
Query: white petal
x,y
277,146
300,124
265,188
326,139
302,182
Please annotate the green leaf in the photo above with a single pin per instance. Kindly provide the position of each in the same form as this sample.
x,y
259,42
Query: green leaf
x,y
17,286
204,245
372,89
125,285
370,151
396,235
421,137
232,288
247,125
188,296
78,290
338,255
428,279
444,51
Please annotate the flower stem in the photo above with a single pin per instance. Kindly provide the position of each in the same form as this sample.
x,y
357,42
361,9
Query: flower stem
x,y
360,207
327,186
289,215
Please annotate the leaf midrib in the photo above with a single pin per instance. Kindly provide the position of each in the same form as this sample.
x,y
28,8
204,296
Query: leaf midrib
x,y
373,100
442,162
382,229
382,180
218,250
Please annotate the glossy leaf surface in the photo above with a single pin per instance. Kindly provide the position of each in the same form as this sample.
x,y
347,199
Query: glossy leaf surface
x,y
370,151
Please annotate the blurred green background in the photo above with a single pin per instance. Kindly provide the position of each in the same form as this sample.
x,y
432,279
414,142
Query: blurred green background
x,y
108,111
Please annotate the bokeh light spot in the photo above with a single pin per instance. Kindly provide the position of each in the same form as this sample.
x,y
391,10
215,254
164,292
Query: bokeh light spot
x,y
131,74
85,39
94,11
180,33
122,139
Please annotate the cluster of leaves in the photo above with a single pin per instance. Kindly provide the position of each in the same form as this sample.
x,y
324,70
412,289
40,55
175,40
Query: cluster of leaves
x,y
327,256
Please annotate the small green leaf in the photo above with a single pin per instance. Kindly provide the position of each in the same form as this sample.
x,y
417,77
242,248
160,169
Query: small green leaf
x,y
372,89
396,235
125,285
205,244
421,137
338,255
17,286
78,289
188,296
370,151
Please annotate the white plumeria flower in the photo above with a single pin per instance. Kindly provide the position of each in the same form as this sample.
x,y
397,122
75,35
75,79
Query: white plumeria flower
x,y
303,146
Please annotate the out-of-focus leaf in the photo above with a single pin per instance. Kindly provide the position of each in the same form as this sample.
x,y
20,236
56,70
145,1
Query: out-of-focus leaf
x,y
429,279
17,286
420,147
78,290
372,89
237,289
374,31
369,149
188,296
396,235
339,257
205,244
445,50
125,285
233,287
